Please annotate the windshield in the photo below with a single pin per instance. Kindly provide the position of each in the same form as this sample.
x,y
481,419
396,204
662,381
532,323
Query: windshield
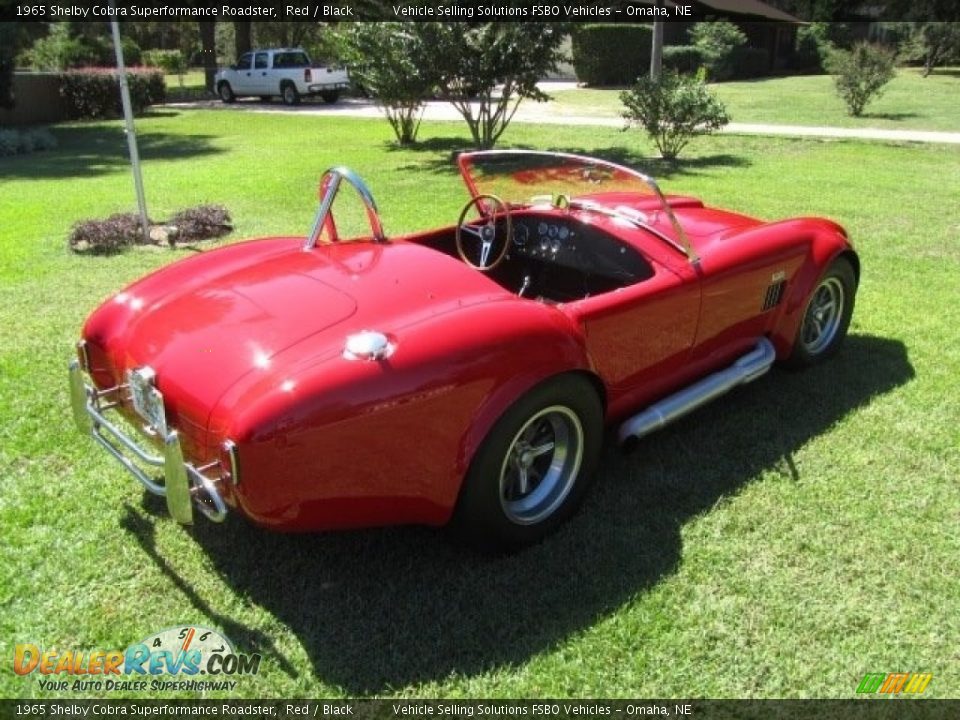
x,y
522,178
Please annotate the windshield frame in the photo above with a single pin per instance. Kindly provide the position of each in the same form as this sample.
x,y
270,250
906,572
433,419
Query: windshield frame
x,y
469,160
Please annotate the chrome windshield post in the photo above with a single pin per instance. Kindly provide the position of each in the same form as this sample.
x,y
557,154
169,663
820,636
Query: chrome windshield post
x,y
330,183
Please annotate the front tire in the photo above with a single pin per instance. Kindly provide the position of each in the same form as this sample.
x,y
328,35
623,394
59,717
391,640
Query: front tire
x,y
533,469
826,317
289,94
226,92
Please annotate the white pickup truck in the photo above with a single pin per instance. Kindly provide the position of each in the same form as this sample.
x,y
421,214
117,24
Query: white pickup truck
x,y
286,72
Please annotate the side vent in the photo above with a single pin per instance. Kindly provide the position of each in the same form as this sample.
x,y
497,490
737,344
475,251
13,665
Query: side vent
x,y
774,294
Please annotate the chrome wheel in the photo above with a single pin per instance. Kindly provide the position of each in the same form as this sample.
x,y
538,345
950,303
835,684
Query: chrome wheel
x,y
823,316
541,465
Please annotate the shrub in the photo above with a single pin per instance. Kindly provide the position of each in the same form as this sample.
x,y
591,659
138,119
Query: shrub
x,y
27,141
611,54
860,74
62,50
811,48
103,237
202,222
683,58
95,92
172,62
673,109
717,41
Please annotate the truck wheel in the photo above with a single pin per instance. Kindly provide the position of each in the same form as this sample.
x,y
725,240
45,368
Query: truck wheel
x,y
289,94
330,96
533,468
226,92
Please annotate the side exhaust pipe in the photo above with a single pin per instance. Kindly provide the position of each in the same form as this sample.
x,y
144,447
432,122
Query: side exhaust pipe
x,y
746,369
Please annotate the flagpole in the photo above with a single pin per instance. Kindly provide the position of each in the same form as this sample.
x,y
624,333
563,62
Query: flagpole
x,y
130,129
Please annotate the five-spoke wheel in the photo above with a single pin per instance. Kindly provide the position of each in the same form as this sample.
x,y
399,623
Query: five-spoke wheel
x,y
533,468
827,315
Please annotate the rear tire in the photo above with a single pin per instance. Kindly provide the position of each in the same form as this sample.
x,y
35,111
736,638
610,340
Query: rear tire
x,y
330,96
289,94
826,317
226,92
533,469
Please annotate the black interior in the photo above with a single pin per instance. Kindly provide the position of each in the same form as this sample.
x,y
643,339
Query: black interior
x,y
555,259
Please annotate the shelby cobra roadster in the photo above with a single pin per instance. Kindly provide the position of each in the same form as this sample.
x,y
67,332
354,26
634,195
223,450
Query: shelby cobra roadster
x,y
460,376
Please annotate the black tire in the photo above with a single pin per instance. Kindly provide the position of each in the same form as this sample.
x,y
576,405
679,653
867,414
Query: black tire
x,y
265,98
330,96
289,94
226,92
826,317
494,513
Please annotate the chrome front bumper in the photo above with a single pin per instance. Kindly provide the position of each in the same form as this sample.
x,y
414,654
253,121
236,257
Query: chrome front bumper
x,y
183,484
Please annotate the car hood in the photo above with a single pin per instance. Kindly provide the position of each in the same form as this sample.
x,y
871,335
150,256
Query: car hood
x,y
205,323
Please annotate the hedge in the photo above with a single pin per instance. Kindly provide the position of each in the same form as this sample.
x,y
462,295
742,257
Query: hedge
x,y
749,62
611,54
94,93
686,59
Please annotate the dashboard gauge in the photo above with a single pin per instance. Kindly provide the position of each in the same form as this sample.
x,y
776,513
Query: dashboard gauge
x,y
542,228
553,231
544,243
555,245
564,232
520,235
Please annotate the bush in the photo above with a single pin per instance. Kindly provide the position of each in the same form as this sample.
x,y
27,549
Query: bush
x,y
860,74
717,41
749,62
103,237
611,54
202,222
673,109
811,48
13,142
686,59
95,92
60,50
172,62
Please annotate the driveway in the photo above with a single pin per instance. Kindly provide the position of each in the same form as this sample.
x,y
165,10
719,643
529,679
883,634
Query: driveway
x,y
533,113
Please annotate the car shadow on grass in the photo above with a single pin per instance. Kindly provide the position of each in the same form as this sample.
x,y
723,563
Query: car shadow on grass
x,y
85,151
383,609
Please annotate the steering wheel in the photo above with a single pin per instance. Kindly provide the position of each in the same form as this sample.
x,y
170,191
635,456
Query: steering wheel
x,y
494,211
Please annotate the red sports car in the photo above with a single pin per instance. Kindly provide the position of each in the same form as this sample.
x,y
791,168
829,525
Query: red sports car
x,y
460,376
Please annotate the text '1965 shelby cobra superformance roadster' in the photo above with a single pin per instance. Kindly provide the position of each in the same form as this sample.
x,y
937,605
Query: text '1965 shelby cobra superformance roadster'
x,y
460,376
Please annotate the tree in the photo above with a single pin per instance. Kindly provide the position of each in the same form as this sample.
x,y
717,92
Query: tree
x,y
860,74
390,61
933,43
717,40
208,51
9,35
242,38
673,109
486,69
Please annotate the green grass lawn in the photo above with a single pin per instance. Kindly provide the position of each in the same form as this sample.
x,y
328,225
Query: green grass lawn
x,y
784,541
909,102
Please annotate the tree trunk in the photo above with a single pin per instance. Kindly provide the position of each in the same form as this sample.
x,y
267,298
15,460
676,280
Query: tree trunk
x,y
241,37
208,42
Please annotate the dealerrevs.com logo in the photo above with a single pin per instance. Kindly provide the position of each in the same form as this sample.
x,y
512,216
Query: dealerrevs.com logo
x,y
172,659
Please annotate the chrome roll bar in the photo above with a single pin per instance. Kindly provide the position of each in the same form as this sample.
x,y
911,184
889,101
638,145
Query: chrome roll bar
x,y
330,184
